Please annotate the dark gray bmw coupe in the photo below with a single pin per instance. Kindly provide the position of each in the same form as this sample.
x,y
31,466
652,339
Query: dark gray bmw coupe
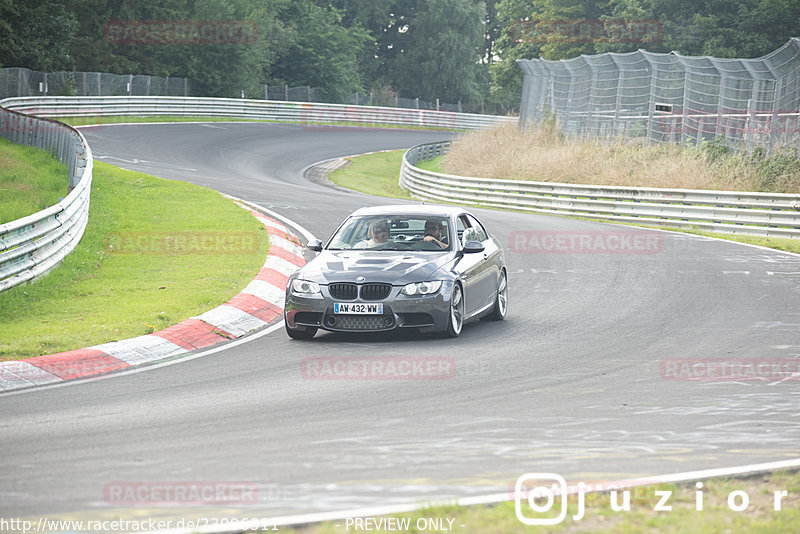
x,y
426,267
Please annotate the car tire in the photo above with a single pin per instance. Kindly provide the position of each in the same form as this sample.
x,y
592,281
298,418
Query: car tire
x,y
498,313
306,333
455,318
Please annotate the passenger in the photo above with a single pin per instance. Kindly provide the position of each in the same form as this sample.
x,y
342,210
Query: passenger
x,y
378,234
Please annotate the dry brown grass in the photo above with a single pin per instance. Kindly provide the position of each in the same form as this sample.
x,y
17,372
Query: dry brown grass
x,y
543,155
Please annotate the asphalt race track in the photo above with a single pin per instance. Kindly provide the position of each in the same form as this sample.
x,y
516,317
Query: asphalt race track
x,y
580,380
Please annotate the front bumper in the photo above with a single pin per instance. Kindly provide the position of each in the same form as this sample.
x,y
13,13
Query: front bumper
x,y
428,313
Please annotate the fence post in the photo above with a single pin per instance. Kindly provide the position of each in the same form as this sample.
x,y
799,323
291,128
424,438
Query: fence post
x,y
773,121
720,110
618,102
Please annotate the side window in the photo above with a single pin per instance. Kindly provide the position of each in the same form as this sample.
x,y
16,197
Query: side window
x,y
481,230
475,232
460,227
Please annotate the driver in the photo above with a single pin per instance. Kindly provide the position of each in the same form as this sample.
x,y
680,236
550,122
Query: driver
x,y
378,234
433,233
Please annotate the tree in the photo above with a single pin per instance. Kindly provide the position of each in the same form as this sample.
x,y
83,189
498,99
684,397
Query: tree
x,y
321,51
375,17
722,28
224,65
443,52
512,43
234,63
36,34
546,24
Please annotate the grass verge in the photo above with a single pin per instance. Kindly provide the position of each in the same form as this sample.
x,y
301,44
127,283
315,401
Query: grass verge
x,y
434,164
154,253
543,154
779,243
716,515
377,174
31,179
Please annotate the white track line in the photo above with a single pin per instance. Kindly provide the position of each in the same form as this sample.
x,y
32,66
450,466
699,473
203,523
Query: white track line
x,y
302,519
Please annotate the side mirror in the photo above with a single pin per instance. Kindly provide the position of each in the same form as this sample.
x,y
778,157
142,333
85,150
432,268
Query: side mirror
x,y
314,245
472,247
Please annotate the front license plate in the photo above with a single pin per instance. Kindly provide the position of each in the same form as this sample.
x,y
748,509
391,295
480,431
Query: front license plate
x,y
356,308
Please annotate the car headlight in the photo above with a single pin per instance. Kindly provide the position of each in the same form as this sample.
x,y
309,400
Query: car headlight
x,y
422,288
304,288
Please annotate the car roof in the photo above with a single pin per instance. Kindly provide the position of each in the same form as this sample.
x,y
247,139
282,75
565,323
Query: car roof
x,y
412,209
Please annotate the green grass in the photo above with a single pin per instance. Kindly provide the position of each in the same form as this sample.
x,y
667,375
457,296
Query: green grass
x,y
31,180
378,174
599,518
780,243
114,287
433,164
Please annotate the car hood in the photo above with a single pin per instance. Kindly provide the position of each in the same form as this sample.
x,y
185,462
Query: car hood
x,y
397,268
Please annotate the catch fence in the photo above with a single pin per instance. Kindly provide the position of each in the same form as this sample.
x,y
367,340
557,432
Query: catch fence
x,y
669,97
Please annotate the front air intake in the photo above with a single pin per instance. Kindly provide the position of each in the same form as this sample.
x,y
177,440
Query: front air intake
x,y
343,291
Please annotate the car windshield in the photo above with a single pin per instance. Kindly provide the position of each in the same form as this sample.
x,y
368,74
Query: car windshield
x,y
393,232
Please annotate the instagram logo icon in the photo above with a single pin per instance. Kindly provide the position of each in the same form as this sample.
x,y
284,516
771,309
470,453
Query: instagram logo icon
x,y
538,491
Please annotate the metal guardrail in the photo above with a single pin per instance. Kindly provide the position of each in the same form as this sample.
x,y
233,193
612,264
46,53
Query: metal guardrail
x,y
270,110
31,246
761,214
